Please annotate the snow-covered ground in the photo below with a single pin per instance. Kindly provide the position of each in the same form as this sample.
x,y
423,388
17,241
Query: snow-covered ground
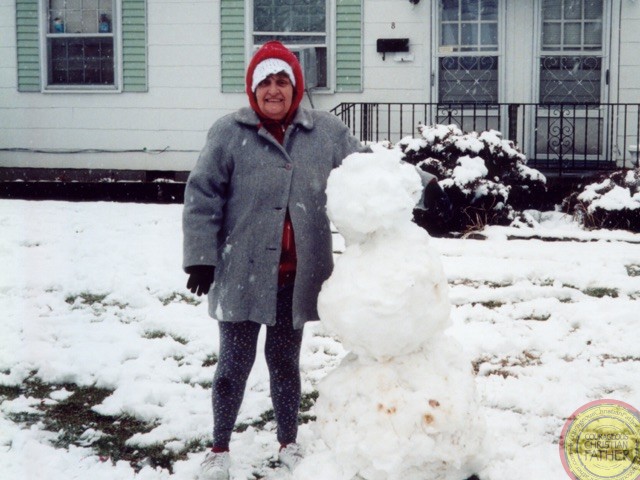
x,y
92,294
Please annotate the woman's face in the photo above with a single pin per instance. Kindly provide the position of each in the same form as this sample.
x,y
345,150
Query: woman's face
x,y
274,96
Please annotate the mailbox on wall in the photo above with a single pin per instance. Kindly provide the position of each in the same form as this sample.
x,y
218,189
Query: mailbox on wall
x,y
392,45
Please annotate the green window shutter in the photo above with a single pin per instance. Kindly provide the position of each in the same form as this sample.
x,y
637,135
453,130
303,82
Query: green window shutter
x,y
232,45
134,46
348,45
28,42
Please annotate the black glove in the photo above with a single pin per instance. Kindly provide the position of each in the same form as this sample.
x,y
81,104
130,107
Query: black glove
x,y
437,202
200,278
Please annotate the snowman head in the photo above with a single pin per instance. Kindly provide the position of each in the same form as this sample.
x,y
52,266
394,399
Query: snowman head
x,y
372,192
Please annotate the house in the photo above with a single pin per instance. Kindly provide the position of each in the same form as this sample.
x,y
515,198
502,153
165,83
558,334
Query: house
x,y
127,89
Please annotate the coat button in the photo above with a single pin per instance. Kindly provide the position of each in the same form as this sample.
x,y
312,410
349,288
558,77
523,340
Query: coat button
x,y
288,166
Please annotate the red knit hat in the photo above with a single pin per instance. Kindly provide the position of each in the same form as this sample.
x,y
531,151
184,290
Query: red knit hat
x,y
275,49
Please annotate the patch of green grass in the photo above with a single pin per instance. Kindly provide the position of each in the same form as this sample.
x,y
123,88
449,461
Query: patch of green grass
x,y
177,297
306,403
266,417
618,359
503,366
210,360
86,297
96,301
600,292
155,334
72,417
31,387
491,304
308,400
481,283
538,318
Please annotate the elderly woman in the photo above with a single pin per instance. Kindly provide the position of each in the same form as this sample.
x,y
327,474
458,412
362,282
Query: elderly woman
x,y
255,220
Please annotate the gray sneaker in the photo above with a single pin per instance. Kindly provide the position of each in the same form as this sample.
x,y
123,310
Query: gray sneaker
x,y
291,455
215,466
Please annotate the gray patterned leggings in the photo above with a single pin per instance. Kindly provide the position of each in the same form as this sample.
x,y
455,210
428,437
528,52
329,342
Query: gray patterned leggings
x,y
238,343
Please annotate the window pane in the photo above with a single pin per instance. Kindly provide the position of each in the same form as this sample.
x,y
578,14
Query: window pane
x,y
489,34
489,10
262,21
289,16
572,9
73,21
593,9
81,61
449,10
470,10
89,21
572,35
449,34
551,36
552,9
593,34
469,34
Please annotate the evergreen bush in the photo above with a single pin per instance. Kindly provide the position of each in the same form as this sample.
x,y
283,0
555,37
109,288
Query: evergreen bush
x,y
612,202
485,176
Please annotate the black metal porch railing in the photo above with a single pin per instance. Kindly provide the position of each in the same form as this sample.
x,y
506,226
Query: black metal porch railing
x,y
557,139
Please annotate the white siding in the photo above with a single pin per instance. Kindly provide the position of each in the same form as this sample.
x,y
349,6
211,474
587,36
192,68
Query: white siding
x,y
185,98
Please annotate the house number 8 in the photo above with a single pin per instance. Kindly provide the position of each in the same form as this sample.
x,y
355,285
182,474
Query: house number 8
x,y
393,25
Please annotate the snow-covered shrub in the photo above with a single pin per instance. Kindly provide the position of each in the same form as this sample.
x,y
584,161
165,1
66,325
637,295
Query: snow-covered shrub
x,y
612,202
485,176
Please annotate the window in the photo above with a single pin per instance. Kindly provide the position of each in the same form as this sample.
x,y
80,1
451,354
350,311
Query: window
x,y
80,44
299,24
467,51
571,51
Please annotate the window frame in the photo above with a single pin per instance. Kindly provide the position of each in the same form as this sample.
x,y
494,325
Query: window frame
x,y
251,47
44,35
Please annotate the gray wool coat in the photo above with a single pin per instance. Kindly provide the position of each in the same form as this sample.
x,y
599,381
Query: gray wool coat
x,y
235,204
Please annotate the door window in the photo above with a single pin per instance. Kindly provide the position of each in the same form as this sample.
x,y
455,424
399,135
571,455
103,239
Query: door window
x,y
571,51
468,51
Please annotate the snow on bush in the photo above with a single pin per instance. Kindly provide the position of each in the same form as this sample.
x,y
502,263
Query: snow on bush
x,y
612,202
485,176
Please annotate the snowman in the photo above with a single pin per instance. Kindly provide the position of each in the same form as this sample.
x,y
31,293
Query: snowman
x,y
401,405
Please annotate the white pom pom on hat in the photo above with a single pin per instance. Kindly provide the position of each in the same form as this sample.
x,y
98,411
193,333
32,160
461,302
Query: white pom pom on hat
x,y
271,66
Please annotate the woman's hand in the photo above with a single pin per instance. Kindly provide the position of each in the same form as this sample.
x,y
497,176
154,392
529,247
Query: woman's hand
x,y
200,278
